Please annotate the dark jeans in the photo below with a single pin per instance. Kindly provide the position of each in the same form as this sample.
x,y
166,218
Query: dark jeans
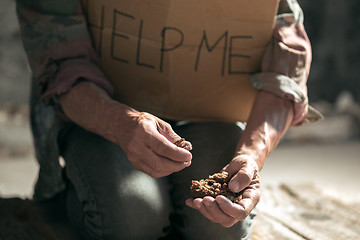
x,y
109,199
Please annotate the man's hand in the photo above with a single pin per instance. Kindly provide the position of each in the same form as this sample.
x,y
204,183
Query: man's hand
x,y
270,117
148,143
220,209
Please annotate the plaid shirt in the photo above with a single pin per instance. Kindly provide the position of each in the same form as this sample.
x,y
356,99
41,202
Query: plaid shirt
x,y
60,52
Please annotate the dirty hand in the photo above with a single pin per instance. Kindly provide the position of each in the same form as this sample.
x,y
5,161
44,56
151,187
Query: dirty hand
x,y
220,209
148,143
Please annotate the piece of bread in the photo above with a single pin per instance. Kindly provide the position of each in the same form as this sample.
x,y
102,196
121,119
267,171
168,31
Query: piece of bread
x,y
184,144
214,185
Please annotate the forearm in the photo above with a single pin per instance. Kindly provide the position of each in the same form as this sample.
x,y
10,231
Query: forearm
x,y
147,141
93,109
270,117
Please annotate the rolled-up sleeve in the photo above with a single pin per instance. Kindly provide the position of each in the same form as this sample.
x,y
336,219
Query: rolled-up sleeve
x,y
58,46
287,59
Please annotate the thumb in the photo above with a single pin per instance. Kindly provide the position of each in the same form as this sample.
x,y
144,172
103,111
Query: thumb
x,y
240,181
242,176
166,130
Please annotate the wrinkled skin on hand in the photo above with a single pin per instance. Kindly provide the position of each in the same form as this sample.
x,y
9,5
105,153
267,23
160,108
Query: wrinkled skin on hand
x,y
223,211
149,144
147,141
270,117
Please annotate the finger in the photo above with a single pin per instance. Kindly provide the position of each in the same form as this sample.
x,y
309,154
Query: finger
x,y
162,146
241,210
154,165
241,180
251,195
232,209
160,166
199,205
214,210
244,169
239,162
190,203
166,130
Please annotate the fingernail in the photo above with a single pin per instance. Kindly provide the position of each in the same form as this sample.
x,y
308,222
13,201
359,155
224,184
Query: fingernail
x,y
187,164
197,205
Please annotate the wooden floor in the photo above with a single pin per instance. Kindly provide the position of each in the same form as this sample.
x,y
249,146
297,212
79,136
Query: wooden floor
x,y
285,212
305,211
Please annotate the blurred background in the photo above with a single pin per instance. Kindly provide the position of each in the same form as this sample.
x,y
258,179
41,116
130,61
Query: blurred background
x,y
326,153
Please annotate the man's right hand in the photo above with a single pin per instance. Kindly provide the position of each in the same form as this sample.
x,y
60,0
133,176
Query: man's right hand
x,y
147,141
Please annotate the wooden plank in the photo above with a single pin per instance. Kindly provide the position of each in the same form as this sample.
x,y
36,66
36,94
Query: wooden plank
x,y
305,210
266,228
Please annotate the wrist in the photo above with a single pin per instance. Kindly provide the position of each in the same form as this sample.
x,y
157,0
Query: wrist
x,y
115,120
90,107
252,157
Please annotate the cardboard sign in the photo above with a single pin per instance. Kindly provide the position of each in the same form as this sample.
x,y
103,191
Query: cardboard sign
x,y
183,59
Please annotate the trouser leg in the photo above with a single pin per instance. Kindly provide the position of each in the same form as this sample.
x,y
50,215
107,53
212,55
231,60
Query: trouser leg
x,y
119,202
214,146
116,201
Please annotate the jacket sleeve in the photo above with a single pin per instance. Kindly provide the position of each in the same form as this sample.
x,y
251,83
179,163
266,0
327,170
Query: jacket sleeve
x,y
58,46
286,62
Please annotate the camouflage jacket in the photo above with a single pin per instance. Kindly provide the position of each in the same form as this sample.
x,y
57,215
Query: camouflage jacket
x,y
60,52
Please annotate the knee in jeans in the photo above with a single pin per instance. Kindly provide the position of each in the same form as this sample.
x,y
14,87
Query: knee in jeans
x,y
126,222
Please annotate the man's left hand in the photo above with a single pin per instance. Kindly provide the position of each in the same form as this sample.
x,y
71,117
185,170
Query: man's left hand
x,y
220,209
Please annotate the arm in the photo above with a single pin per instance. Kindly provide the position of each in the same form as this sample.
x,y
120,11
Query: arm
x,y
280,103
146,140
58,46
66,67
270,117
